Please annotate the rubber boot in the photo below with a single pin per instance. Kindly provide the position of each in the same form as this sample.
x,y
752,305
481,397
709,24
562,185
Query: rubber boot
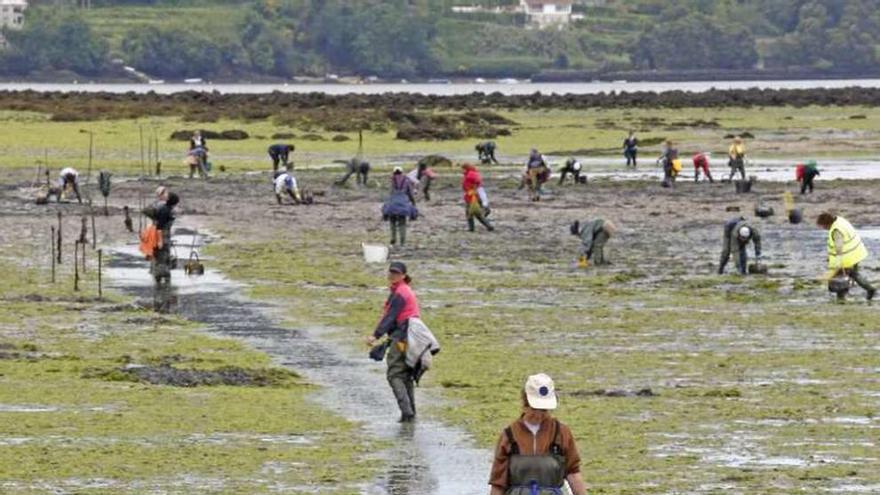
x,y
393,223
401,231
471,225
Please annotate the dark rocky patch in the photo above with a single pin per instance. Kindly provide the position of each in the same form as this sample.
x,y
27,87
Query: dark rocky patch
x,y
644,392
165,374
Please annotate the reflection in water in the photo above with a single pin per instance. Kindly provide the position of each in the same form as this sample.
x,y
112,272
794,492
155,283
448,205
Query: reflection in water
x,y
164,298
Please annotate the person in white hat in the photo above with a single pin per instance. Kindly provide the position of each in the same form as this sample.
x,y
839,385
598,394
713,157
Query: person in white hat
x,y
738,233
536,454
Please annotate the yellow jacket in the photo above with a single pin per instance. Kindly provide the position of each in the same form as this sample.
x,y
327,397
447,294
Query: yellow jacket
x,y
737,151
852,249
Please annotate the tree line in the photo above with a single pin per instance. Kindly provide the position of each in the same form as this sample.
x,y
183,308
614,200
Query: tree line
x,y
418,38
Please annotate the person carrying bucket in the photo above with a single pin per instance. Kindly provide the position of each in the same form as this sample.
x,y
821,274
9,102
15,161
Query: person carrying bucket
x,y
737,158
159,252
671,164
738,233
845,251
400,307
472,185
805,173
400,206
536,454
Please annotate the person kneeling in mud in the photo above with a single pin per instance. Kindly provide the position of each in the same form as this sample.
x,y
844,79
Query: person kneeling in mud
x,y
573,167
475,198
285,182
400,307
738,233
594,235
400,206
162,215
537,453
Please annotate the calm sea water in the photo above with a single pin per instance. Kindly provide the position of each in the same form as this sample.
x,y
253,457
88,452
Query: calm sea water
x,y
518,88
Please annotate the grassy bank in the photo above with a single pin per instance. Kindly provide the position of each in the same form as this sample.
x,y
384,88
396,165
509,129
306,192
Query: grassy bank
x,y
75,421
779,132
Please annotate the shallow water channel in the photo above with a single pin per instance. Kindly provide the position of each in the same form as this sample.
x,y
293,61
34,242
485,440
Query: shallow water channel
x,y
425,458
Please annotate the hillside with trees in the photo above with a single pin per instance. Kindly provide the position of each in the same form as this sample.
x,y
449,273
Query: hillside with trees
x,y
393,39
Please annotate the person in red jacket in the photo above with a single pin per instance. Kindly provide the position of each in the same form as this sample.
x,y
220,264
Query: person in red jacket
x,y
471,183
701,161
400,306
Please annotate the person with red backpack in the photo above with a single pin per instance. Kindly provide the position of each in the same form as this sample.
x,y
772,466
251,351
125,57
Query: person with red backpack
x,y
400,307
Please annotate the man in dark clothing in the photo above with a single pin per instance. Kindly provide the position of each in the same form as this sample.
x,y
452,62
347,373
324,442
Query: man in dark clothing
x,y
162,214
280,154
400,306
738,232
573,167
486,152
805,174
631,149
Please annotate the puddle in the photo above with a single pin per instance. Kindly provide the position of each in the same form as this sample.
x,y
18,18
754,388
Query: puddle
x,y
25,408
425,458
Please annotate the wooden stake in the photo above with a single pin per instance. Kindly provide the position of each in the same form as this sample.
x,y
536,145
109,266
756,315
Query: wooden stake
x,y
52,243
94,232
59,238
100,265
75,267
84,257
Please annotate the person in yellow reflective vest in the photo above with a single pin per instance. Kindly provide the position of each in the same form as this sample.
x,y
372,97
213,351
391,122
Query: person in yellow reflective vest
x,y
737,158
845,250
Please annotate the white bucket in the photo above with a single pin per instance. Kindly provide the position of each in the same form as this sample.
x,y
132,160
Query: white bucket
x,y
375,253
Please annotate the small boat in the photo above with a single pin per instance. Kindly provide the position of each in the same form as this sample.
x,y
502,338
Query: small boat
x,y
156,81
480,80
508,80
194,80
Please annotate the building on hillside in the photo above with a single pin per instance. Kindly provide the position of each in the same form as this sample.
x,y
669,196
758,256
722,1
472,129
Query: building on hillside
x,y
11,16
547,13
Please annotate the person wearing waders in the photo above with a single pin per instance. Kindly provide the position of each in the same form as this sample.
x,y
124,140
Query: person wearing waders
x,y
737,158
280,154
536,454
68,178
486,153
845,252
162,215
738,233
285,183
400,206
472,184
805,174
573,167
631,149
400,306
594,235
701,162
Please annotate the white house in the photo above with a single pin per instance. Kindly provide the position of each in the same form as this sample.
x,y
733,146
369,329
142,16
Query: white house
x,y
11,16
547,13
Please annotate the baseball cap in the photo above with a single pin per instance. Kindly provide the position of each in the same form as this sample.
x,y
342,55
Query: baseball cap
x,y
398,267
540,392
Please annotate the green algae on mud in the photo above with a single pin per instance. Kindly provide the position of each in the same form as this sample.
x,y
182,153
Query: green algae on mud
x,y
753,390
779,132
62,430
